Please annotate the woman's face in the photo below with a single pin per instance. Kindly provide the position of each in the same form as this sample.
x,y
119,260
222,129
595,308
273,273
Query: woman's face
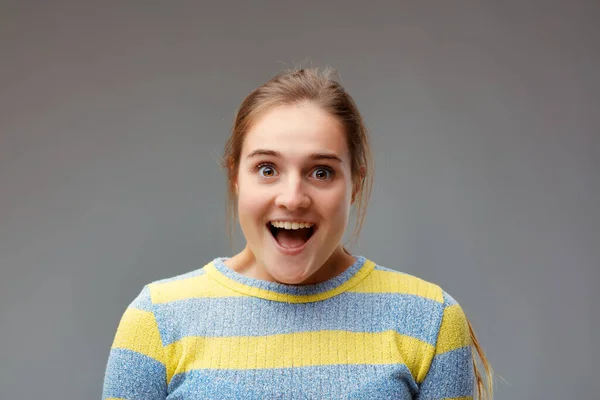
x,y
295,169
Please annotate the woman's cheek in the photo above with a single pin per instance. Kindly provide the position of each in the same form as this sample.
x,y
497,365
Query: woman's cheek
x,y
252,204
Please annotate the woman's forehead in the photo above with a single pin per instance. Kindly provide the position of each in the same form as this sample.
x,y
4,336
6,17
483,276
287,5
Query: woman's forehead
x,y
296,130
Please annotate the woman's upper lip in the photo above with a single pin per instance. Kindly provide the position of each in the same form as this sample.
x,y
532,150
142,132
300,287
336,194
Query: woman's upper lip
x,y
292,220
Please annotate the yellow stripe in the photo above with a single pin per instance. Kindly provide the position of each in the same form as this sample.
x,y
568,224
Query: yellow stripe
x,y
454,331
394,282
195,287
138,332
275,296
115,398
298,350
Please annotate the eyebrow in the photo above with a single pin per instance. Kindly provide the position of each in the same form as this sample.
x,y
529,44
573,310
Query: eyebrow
x,y
313,156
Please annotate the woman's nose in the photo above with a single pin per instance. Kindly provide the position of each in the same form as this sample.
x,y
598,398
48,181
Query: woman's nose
x,y
292,196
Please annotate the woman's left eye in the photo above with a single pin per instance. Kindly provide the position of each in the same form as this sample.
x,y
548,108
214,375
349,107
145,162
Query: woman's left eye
x,y
322,173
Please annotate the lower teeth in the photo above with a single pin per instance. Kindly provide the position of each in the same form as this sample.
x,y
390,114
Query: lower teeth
x,y
292,239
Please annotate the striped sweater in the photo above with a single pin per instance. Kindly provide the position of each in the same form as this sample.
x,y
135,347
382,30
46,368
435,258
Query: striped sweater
x,y
368,333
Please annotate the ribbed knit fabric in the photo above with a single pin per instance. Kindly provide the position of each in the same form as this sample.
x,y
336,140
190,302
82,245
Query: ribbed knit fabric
x,y
368,333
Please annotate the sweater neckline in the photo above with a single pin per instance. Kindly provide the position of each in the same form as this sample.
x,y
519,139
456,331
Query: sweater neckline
x,y
290,293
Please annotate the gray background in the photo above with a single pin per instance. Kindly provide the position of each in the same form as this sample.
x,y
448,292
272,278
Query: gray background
x,y
485,125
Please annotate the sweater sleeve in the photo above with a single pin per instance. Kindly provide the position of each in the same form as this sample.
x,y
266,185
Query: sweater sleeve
x,y
136,366
450,374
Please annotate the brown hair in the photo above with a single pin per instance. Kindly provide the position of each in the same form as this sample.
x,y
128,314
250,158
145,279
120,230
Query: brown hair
x,y
319,87
485,382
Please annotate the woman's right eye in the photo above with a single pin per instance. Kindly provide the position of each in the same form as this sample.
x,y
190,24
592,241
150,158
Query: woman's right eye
x,y
266,170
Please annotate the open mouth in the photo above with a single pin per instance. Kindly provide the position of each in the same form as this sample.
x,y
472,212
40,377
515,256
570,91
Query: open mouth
x,y
291,236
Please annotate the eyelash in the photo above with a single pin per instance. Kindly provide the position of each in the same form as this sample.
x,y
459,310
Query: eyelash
x,y
330,170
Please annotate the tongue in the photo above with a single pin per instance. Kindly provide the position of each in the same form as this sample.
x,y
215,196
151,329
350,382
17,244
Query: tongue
x,y
292,238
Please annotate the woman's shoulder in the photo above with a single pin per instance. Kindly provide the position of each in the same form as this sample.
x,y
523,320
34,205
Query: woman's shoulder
x,y
419,304
390,280
176,287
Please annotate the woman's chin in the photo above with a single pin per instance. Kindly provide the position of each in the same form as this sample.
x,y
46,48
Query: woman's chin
x,y
293,276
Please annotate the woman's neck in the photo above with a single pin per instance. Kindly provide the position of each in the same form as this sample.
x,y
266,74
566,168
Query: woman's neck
x,y
245,263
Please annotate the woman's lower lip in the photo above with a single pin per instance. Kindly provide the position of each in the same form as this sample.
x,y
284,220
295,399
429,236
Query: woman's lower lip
x,y
288,251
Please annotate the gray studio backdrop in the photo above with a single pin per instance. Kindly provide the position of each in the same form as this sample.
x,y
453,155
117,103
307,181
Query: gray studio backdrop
x,y
485,125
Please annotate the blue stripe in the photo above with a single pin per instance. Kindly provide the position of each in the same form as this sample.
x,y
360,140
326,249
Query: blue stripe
x,y
143,300
450,375
249,316
371,382
134,376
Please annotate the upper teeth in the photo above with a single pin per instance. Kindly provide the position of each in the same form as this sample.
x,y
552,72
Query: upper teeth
x,y
291,225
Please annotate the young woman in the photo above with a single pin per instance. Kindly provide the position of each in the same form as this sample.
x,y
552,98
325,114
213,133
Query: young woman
x,y
295,315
